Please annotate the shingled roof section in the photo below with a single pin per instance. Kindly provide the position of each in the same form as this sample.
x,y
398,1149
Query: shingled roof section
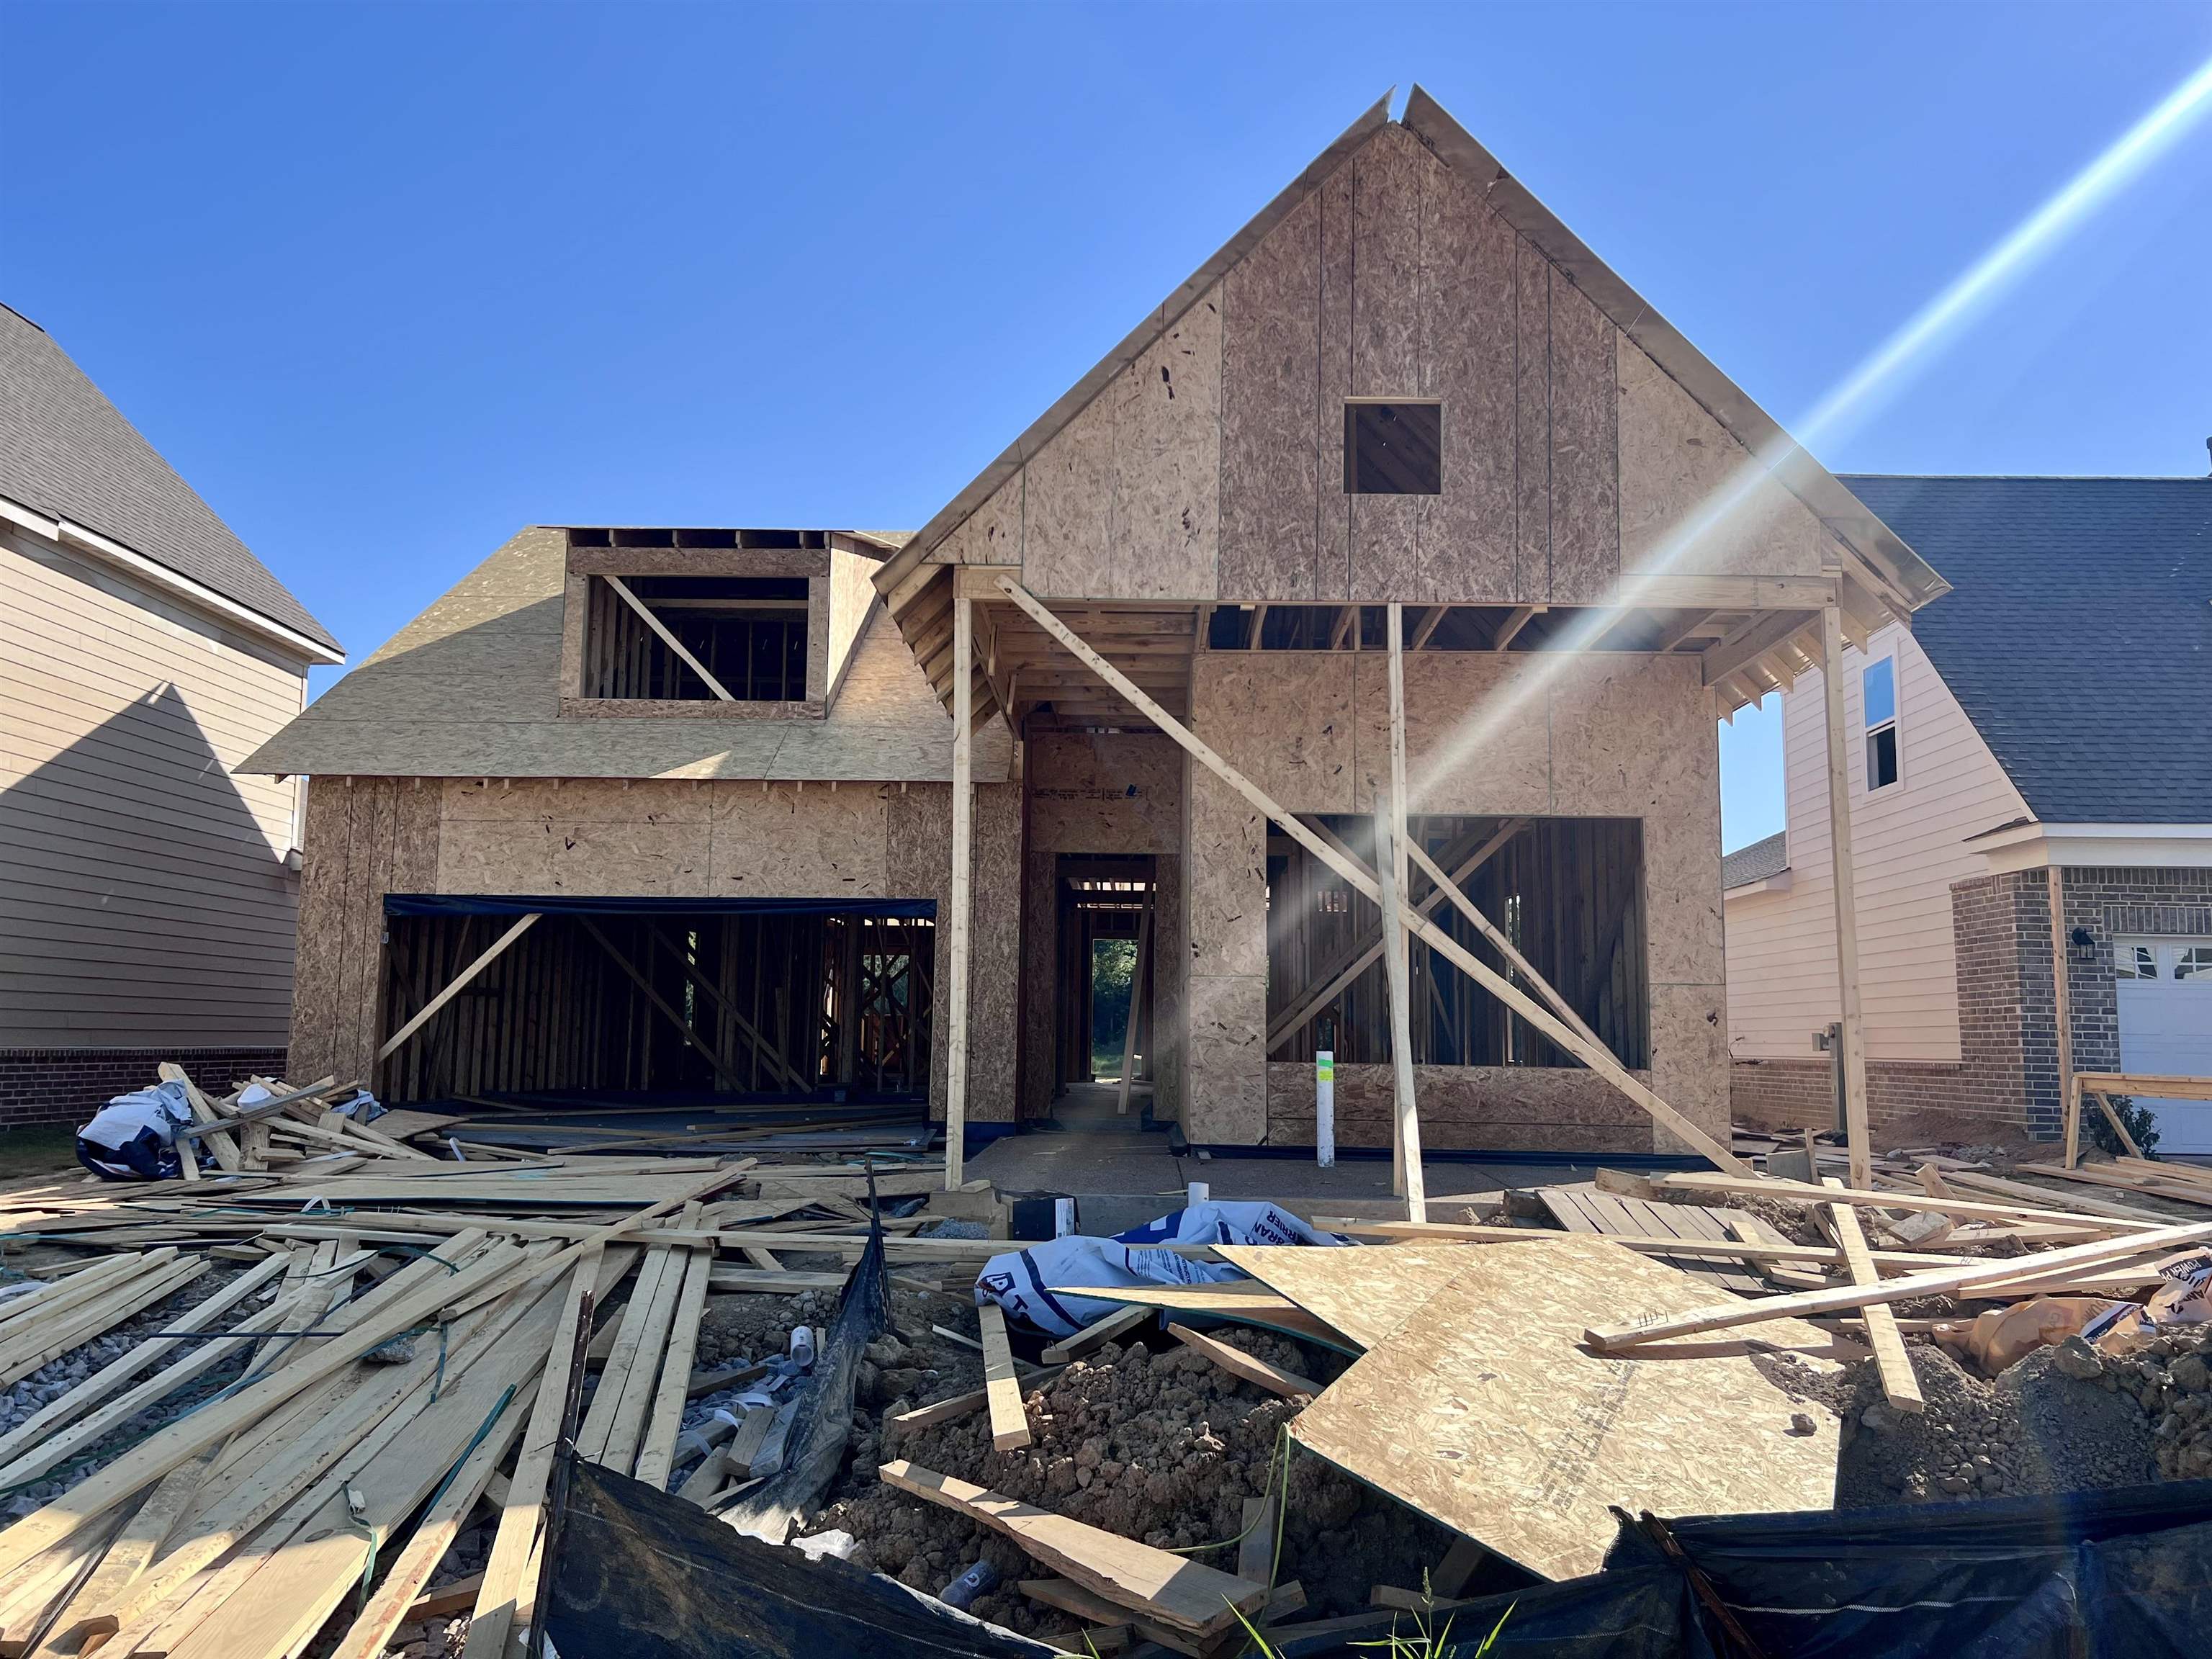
x,y
2078,634
1756,862
66,452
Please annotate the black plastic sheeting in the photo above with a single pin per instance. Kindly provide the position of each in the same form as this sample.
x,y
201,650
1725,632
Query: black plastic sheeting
x,y
644,1575
2117,1575
2125,1574
473,904
823,1422
2111,1575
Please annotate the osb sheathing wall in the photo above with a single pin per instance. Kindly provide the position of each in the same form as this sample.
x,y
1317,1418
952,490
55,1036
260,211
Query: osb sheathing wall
x,y
1100,793
1212,467
1595,736
367,837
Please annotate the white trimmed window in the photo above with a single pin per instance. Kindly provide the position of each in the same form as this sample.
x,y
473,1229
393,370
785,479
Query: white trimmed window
x,y
1878,687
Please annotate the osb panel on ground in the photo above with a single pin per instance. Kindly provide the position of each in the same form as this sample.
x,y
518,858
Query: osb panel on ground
x,y
1363,1291
1483,1410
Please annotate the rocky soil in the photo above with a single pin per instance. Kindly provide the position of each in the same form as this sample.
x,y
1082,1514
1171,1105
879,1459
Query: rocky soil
x,y
2036,1429
1159,1446
31,1393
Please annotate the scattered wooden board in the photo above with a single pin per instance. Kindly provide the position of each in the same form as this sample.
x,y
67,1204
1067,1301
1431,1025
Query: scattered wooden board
x,y
1010,1423
1898,1385
1660,1325
1099,1332
1243,1305
1484,1410
1253,1369
1185,1595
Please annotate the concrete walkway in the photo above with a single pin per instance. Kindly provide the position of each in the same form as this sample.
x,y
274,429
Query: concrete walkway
x,y
1123,1175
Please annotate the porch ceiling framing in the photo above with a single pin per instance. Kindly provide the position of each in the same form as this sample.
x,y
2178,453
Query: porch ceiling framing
x,y
1753,635
1365,881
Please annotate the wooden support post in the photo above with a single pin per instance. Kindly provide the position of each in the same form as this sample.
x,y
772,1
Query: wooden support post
x,y
1365,884
668,639
1847,927
1397,953
1406,1143
2068,1102
963,864
1136,995
460,982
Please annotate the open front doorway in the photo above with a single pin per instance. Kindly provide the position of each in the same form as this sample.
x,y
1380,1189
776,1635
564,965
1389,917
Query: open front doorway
x,y
1104,999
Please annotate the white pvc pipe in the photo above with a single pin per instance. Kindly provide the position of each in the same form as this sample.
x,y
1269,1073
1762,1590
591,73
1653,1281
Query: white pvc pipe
x,y
1325,1109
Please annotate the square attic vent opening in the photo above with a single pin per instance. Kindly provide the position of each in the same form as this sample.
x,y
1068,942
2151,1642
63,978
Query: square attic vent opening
x,y
1393,449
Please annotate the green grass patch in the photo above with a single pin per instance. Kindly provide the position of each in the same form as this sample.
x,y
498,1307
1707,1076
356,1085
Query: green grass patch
x,y
40,1149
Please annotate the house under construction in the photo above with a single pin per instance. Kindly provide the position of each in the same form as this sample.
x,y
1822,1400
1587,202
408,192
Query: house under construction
x,y
1403,553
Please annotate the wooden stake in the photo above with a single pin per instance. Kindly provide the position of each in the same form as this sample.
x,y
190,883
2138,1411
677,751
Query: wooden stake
x,y
964,834
1856,1132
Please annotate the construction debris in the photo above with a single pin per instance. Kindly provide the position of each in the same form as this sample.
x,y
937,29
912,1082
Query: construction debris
x,y
317,1391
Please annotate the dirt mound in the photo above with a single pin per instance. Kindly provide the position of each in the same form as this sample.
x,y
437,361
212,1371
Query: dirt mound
x,y
1162,1447
2036,1429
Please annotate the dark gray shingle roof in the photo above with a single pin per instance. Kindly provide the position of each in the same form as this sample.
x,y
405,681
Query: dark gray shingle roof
x,y
2078,634
66,452
1759,860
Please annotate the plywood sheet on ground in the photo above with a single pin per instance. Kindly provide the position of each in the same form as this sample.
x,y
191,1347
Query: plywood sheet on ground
x,y
1364,1291
1483,1410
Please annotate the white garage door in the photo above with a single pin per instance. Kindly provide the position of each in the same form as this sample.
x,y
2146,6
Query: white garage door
x,y
2166,1028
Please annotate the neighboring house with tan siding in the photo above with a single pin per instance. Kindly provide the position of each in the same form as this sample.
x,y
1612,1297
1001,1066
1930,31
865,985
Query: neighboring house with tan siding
x,y
2053,711
148,896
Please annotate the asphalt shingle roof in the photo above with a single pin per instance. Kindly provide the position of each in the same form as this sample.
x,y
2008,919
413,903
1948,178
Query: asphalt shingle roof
x,y
1759,860
66,452
2077,635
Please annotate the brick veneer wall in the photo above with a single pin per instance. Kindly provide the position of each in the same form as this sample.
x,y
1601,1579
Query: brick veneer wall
x,y
2006,1085
68,1085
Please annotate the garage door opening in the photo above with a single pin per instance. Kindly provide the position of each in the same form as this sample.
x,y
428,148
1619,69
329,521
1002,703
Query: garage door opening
x,y
639,1002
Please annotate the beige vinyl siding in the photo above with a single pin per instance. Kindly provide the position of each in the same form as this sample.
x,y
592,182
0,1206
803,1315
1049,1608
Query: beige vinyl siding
x,y
143,897
1910,845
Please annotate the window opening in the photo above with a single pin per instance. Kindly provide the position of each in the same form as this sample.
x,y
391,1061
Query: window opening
x,y
1878,683
749,632
1393,449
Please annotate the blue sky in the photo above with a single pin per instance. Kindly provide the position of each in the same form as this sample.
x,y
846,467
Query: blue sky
x,y
388,282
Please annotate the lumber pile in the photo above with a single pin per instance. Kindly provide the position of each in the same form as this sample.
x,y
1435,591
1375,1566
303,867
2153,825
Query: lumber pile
x,y
393,1318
